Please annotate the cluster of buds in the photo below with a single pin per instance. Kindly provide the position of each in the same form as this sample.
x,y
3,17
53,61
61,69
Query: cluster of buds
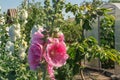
x,y
22,49
2,20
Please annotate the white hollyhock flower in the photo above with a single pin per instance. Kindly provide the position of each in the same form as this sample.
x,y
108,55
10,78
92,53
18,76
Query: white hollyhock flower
x,y
2,20
0,42
17,30
22,55
24,14
11,33
17,26
14,32
10,53
7,28
9,46
25,22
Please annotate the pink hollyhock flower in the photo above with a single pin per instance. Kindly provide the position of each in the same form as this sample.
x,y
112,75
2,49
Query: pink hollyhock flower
x,y
56,53
35,55
53,51
37,37
51,72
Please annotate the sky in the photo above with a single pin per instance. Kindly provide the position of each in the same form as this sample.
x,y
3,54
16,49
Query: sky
x,y
8,4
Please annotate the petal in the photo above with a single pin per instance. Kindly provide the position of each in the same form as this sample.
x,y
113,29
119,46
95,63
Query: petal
x,y
35,55
56,54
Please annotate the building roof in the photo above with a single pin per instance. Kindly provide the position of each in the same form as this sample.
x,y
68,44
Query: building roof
x,y
111,5
12,13
117,5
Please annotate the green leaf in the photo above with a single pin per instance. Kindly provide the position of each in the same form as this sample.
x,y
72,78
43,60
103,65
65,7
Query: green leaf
x,y
87,25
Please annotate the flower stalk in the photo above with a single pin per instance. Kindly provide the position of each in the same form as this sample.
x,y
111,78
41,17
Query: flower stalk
x,y
44,74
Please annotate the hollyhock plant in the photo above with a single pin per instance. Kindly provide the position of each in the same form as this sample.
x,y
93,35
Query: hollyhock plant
x,y
48,50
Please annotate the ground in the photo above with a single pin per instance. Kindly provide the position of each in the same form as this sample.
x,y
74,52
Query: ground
x,y
93,75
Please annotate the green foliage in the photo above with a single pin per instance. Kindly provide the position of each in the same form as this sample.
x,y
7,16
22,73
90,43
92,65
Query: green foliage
x,y
36,16
86,13
88,49
71,31
85,48
76,53
107,31
107,38
12,68
79,47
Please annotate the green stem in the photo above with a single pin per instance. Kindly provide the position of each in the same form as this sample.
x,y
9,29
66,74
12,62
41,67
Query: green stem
x,y
44,74
39,75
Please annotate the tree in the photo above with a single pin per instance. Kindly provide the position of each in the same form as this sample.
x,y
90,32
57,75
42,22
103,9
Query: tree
x,y
82,47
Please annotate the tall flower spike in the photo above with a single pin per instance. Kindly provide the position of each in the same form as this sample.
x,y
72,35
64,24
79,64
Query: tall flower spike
x,y
36,49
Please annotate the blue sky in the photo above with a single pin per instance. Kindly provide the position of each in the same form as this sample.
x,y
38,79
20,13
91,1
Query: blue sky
x,y
8,4
5,4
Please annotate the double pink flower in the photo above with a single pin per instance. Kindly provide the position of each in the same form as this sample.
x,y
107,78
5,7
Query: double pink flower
x,y
53,51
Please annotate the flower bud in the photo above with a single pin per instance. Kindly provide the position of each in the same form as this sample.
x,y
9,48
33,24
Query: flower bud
x,y
22,55
2,20
7,28
24,14
24,45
